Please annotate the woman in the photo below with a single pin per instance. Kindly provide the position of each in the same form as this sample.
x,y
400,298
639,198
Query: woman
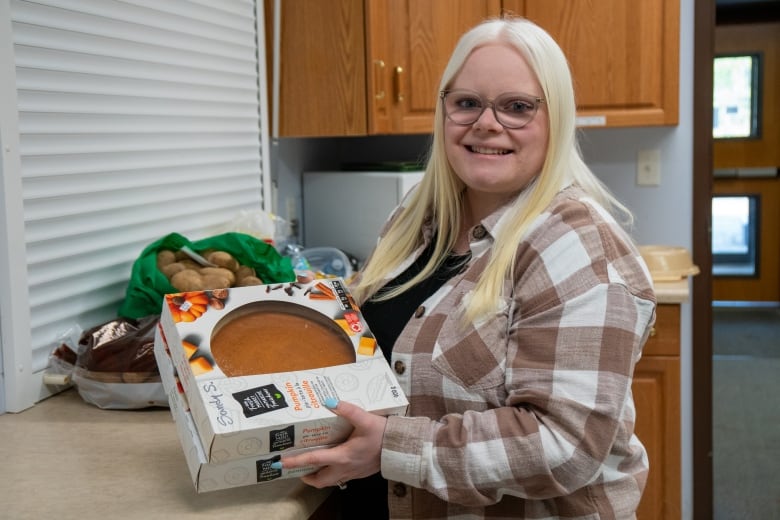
x,y
511,305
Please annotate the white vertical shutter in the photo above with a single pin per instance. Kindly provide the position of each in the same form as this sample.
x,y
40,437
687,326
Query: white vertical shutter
x,y
136,118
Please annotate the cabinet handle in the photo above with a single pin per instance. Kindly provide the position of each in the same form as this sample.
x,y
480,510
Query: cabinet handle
x,y
379,67
653,332
399,96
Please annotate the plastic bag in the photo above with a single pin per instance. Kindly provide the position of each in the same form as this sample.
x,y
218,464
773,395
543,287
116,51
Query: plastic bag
x,y
59,372
114,366
260,224
148,286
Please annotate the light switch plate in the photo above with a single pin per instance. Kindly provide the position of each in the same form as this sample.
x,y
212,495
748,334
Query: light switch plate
x,y
648,168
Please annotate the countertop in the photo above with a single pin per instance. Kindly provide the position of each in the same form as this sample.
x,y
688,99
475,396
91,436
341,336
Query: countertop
x,y
66,459
672,292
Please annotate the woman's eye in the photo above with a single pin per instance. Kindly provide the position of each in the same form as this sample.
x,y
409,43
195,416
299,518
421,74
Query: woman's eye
x,y
468,102
518,106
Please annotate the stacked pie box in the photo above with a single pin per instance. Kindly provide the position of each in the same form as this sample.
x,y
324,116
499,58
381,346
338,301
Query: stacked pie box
x,y
248,370
208,476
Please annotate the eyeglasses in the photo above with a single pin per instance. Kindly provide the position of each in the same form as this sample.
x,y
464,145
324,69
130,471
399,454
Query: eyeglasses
x,y
511,109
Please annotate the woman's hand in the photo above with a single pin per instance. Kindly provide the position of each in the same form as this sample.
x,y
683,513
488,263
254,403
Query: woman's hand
x,y
357,457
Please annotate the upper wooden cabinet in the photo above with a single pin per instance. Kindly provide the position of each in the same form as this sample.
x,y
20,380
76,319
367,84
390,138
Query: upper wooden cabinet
x,y
317,76
408,45
624,56
370,67
364,67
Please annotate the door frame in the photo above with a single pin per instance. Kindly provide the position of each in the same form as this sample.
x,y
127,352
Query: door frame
x,y
704,53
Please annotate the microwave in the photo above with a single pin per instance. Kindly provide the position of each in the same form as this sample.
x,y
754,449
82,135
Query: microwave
x,y
346,209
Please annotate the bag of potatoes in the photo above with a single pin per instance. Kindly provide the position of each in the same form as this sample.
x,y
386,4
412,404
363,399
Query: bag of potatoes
x,y
173,264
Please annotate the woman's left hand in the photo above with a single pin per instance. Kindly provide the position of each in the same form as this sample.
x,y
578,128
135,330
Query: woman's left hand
x,y
357,457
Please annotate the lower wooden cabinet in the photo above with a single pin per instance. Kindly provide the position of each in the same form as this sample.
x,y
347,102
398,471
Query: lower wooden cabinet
x,y
656,391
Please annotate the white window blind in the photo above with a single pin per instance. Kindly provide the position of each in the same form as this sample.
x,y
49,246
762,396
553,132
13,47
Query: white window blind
x,y
136,118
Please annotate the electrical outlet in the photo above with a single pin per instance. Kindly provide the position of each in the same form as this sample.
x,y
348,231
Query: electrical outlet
x,y
648,168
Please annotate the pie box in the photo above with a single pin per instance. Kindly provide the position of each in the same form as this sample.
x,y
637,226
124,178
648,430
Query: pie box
x,y
239,416
213,476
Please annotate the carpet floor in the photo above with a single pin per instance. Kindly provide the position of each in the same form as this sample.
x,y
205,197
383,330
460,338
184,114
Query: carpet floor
x,y
746,413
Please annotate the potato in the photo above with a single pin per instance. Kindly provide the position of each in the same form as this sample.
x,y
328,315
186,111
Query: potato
x,y
187,280
165,257
221,272
215,280
189,263
249,280
223,259
243,271
181,255
171,269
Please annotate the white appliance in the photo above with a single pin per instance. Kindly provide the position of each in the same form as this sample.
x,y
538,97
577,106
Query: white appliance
x,y
346,209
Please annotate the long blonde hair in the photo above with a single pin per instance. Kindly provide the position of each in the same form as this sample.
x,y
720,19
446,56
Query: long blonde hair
x,y
438,196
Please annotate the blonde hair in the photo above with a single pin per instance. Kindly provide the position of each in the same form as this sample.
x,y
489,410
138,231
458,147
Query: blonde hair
x,y
438,196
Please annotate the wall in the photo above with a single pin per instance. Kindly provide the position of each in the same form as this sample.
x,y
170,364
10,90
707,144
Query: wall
x,y
292,156
663,213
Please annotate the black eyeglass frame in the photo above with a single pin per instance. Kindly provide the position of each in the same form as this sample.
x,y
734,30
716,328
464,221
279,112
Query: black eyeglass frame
x,y
535,100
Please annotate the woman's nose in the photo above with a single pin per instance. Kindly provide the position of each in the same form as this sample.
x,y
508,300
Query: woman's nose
x,y
487,120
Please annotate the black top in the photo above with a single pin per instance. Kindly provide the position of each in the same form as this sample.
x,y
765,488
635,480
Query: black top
x,y
387,319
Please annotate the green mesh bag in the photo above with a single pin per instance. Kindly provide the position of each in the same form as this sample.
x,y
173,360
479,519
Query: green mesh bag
x,y
148,285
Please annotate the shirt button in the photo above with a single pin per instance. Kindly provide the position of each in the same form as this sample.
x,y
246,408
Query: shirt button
x,y
400,367
399,490
479,232
419,312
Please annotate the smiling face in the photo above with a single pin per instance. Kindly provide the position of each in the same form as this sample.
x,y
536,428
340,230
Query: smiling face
x,y
494,162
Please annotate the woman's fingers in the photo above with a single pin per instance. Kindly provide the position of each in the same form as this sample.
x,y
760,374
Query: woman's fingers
x,y
358,456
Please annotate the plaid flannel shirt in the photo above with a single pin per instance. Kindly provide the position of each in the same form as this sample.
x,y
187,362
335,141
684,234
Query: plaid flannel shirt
x,y
528,413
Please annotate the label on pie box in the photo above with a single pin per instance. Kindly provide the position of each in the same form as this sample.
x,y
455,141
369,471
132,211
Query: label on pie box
x,y
214,476
256,364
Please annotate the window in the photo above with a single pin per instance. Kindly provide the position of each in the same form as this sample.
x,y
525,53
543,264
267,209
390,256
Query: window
x,y
736,105
735,230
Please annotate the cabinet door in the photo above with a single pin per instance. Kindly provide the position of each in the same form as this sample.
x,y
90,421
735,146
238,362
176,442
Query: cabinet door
x,y
409,43
624,56
656,392
321,68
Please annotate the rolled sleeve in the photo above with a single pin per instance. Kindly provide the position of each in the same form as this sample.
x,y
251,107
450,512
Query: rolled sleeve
x,y
403,447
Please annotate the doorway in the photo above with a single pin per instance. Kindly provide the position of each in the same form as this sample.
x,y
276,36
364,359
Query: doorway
x,y
707,15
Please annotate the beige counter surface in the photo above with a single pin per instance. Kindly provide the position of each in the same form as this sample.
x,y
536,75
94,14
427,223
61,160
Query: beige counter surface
x,y
672,292
65,459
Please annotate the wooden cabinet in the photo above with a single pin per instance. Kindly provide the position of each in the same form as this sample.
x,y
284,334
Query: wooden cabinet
x,y
372,67
624,56
318,78
409,44
365,67
656,391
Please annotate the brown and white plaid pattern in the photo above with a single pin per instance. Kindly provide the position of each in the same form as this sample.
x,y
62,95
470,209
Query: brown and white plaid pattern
x,y
528,414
